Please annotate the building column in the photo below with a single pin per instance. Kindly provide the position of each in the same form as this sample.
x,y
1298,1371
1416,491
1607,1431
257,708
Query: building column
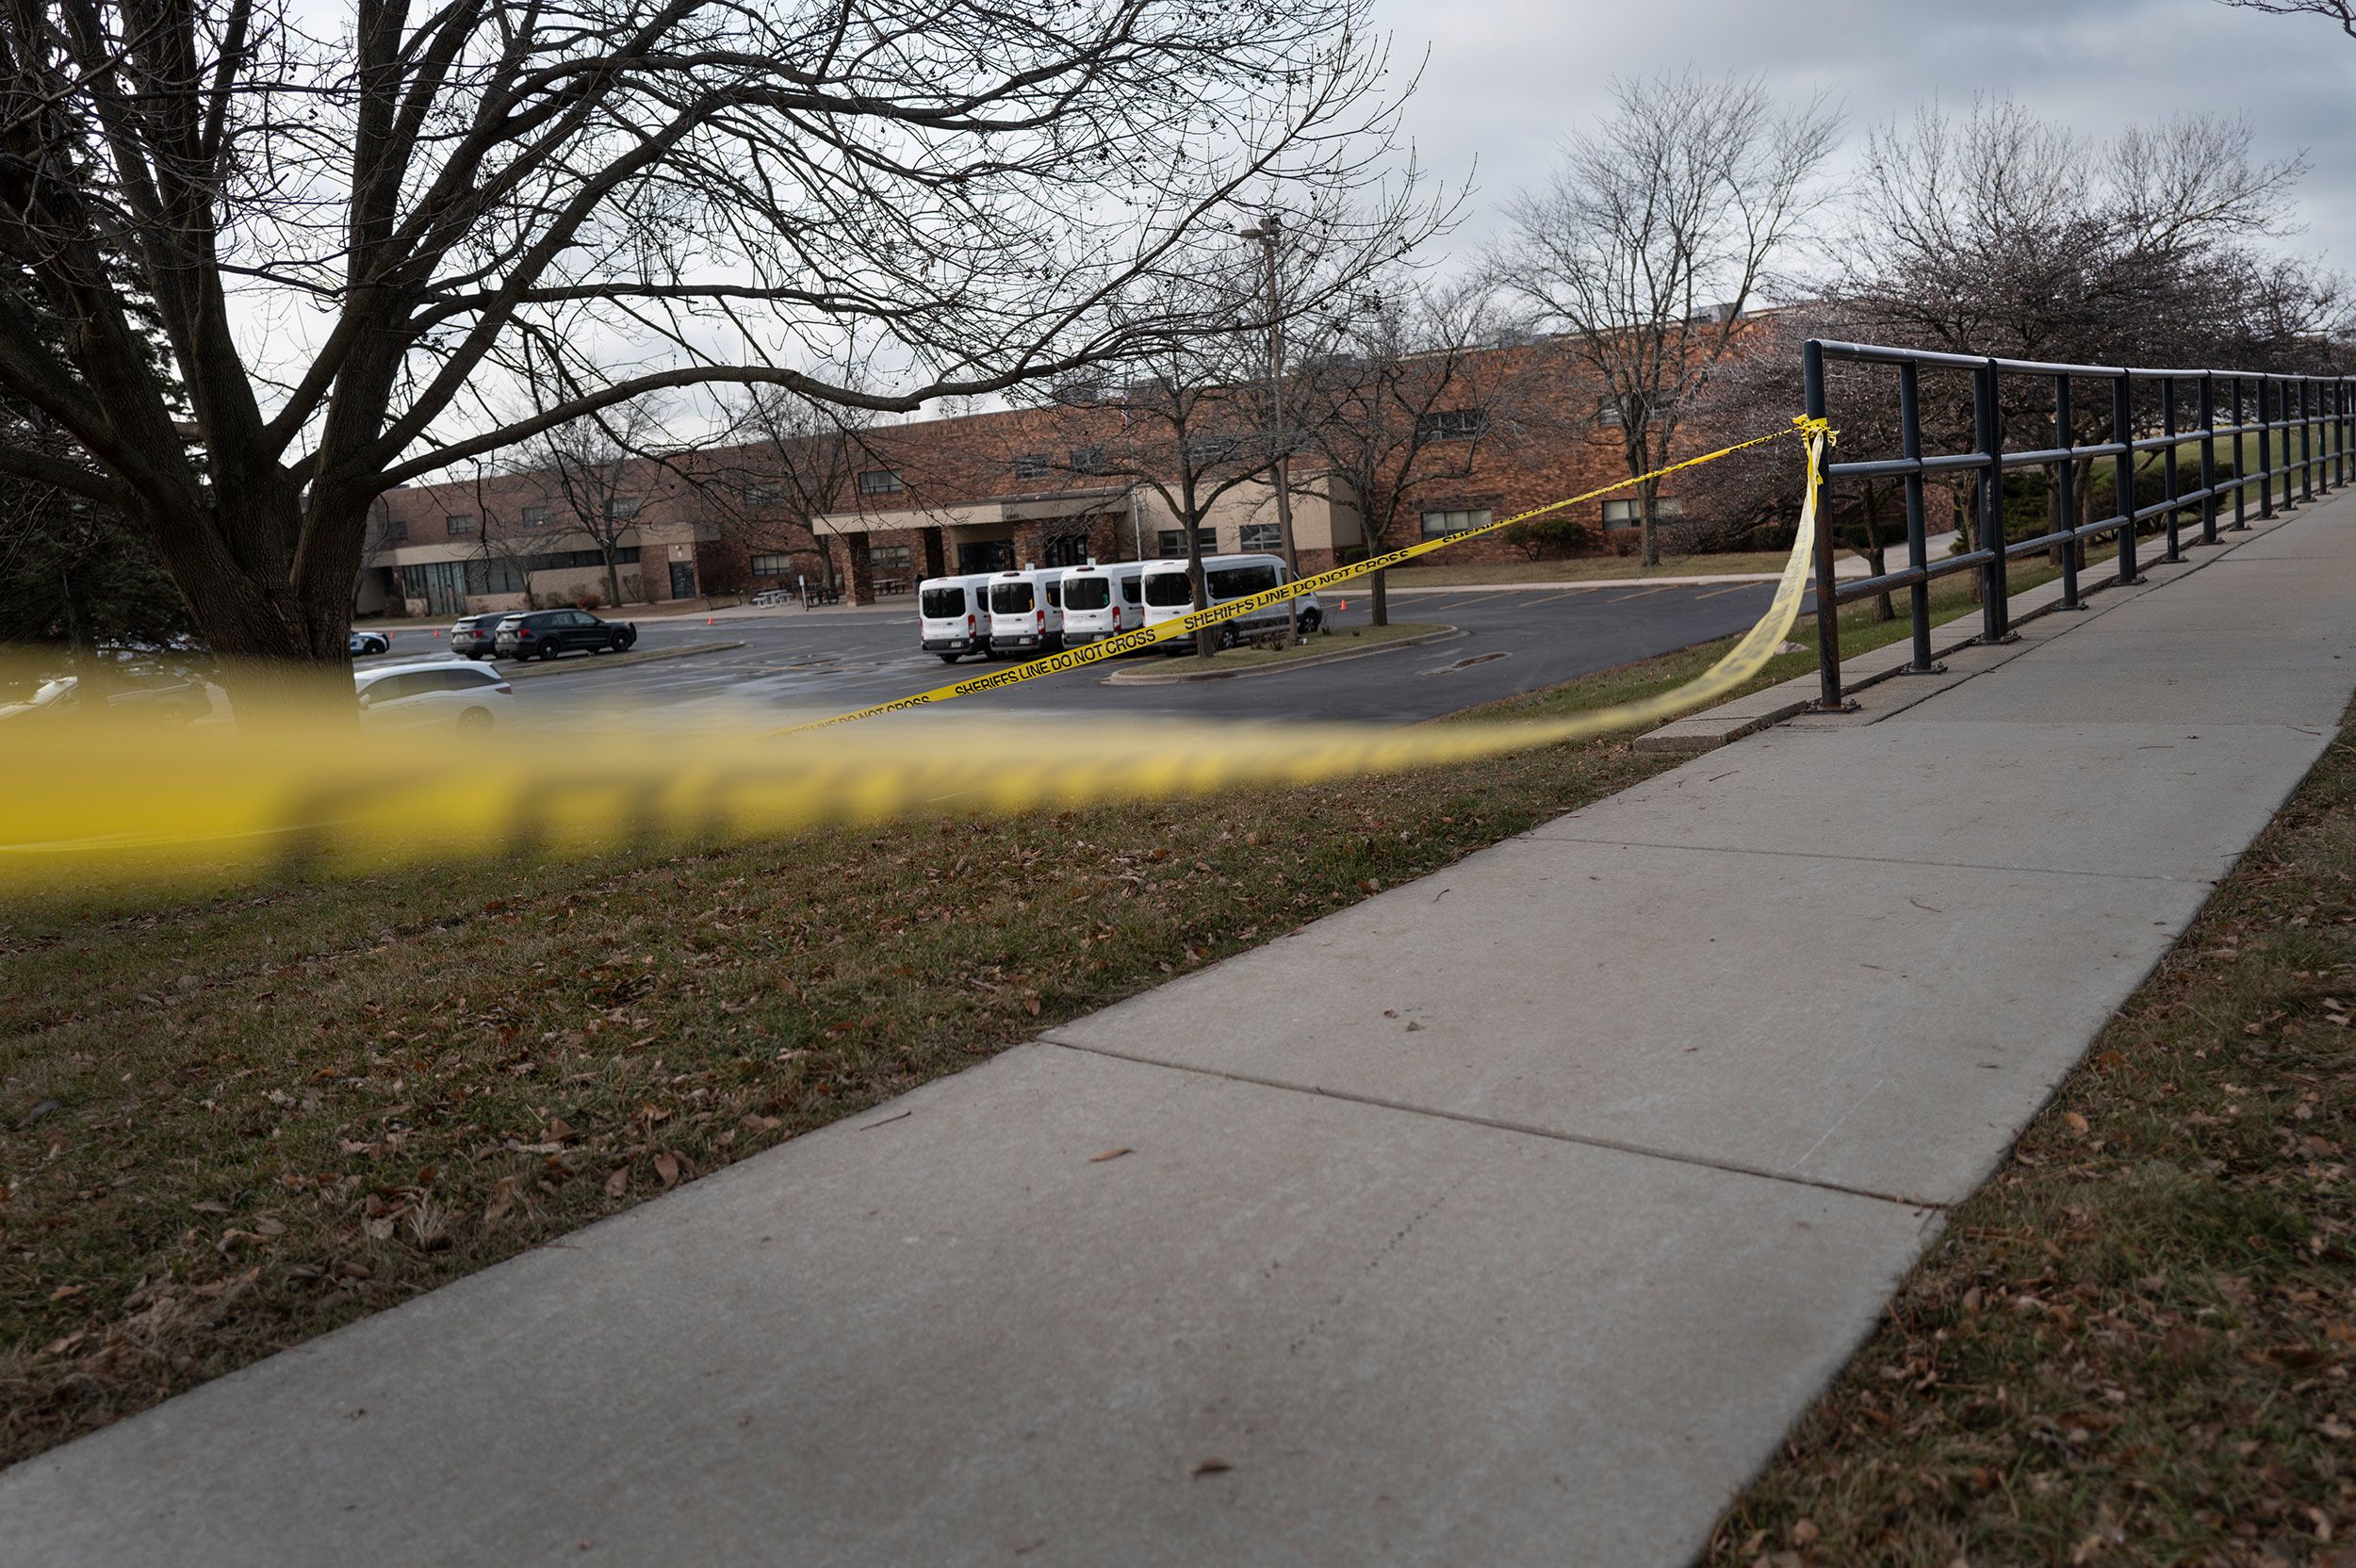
x,y
1030,544
852,568
935,548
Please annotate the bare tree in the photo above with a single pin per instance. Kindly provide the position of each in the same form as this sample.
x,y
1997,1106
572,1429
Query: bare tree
x,y
797,461
1656,234
1204,413
599,199
1999,233
1409,384
1191,415
600,469
2341,11
1765,487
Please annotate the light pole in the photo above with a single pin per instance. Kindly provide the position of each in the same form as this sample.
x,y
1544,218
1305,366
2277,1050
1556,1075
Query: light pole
x,y
1267,232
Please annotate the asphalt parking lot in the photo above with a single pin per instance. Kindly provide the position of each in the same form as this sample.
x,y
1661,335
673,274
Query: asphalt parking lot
x,y
798,665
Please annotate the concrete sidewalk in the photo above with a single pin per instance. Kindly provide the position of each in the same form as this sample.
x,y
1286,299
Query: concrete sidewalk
x,y
1507,1218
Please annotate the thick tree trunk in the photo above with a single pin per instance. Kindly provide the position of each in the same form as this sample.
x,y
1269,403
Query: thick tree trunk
x,y
1382,598
612,577
277,612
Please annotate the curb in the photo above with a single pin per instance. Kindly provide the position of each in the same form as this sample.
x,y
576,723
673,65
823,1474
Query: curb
x,y
1339,656
566,666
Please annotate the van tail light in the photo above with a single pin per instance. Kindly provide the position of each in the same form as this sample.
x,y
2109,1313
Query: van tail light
x,y
969,623
1042,620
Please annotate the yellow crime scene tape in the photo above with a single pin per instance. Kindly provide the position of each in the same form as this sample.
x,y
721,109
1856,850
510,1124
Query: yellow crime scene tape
x,y
1187,625
87,799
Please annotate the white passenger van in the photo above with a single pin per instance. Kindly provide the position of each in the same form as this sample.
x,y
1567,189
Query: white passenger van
x,y
1026,611
1168,594
1102,601
952,615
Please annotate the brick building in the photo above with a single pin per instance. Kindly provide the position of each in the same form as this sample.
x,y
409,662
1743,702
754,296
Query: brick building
x,y
1519,426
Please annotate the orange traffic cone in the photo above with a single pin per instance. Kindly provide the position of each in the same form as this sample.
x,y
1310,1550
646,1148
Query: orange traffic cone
x,y
1345,604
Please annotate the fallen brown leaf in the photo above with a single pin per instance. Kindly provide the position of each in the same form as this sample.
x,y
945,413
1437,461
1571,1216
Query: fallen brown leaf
x,y
1103,1155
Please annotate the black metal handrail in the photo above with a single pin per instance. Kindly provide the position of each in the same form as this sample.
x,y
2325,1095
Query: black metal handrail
x,y
2319,410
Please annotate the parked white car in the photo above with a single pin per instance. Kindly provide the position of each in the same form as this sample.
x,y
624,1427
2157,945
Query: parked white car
x,y
467,697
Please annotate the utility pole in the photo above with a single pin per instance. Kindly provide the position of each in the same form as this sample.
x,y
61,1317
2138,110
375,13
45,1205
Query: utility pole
x,y
1268,231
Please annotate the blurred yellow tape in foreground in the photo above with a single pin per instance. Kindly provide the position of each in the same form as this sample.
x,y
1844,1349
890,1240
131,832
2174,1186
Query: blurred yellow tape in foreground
x,y
82,800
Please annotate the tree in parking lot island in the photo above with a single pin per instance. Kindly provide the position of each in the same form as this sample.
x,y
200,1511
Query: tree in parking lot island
x,y
431,208
601,470
1401,393
1198,418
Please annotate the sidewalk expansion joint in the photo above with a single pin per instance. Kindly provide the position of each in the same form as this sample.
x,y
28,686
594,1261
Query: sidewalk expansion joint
x,y
1872,859
1731,1168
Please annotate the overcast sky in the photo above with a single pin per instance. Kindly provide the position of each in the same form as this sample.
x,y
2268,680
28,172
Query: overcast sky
x,y
1507,78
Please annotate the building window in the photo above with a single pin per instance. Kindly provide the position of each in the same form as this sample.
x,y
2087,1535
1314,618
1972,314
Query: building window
x,y
1451,424
1619,516
535,517
573,560
1262,536
1439,525
1091,460
888,558
396,531
1171,542
1607,411
764,492
880,482
1034,466
459,525
1208,452
493,577
773,565
1071,549
620,508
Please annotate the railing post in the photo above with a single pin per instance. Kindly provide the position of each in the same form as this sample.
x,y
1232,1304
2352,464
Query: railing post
x,y
1995,611
2123,473
2290,467
2306,439
2348,429
2169,478
2266,454
1829,699
2241,468
1917,545
2066,476
2208,459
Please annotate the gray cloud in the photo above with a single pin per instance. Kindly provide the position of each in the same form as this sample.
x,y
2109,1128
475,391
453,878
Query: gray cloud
x,y
1505,79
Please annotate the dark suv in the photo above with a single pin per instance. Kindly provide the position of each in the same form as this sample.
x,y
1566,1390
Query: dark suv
x,y
546,634
476,636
